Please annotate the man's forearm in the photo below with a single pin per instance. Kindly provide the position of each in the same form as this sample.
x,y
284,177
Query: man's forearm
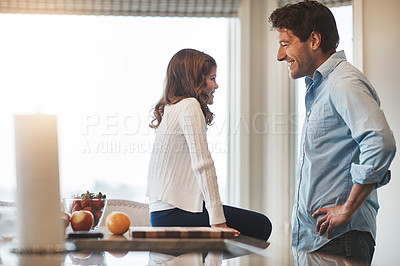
x,y
358,194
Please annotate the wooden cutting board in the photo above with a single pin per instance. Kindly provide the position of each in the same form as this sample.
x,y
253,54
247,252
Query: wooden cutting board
x,y
180,232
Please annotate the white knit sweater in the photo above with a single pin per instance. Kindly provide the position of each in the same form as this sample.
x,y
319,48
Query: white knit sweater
x,y
181,171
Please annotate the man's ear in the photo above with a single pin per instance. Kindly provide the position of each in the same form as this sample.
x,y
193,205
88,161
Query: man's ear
x,y
315,40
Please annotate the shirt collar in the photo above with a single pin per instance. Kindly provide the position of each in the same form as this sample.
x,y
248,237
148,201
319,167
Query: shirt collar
x,y
327,67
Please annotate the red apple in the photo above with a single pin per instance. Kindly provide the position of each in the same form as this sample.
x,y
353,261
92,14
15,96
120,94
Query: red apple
x,y
65,217
82,220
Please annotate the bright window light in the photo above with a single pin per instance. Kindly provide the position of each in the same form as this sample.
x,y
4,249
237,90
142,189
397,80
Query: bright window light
x,y
101,75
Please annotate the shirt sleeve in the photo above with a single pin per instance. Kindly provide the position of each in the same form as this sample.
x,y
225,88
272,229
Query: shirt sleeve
x,y
192,123
358,104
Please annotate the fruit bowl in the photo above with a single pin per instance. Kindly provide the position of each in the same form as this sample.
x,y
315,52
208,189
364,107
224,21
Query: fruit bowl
x,y
95,204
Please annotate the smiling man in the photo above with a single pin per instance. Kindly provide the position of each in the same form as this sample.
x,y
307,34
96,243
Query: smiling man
x,y
346,145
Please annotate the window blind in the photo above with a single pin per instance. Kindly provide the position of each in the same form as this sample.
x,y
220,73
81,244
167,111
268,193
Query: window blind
x,y
329,3
170,8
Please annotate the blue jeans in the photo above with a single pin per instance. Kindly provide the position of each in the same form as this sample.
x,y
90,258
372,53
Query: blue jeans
x,y
247,222
357,246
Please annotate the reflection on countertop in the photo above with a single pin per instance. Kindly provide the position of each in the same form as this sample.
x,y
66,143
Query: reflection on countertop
x,y
302,258
125,250
150,258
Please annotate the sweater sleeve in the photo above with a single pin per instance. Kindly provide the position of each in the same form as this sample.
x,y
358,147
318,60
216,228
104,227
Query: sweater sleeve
x,y
192,123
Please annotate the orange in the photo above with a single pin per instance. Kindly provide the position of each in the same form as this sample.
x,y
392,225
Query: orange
x,y
118,222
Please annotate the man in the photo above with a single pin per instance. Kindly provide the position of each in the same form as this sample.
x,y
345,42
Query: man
x,y
347,145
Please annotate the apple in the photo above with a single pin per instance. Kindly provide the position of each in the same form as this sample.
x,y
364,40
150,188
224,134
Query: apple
x,y
82,220
65,216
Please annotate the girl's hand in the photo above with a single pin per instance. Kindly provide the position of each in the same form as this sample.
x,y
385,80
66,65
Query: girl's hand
x,y
223,225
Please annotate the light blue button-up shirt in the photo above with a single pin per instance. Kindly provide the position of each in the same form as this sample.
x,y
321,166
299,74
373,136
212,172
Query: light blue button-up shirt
x,y
345,139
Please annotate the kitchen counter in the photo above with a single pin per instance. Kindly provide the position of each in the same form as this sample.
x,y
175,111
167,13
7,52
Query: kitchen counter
x,y
125,250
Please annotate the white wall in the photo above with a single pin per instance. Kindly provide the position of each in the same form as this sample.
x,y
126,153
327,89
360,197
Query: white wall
x,y
265,105
381,21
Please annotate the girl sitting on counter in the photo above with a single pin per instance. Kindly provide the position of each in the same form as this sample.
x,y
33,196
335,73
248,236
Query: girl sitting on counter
x,y
182,182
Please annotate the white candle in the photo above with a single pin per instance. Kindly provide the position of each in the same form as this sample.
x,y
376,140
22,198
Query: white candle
x,y
40,225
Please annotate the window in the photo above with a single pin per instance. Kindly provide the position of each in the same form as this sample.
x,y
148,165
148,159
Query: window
x,y
101,75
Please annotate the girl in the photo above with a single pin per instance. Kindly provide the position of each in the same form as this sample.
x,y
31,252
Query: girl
x,y
182,182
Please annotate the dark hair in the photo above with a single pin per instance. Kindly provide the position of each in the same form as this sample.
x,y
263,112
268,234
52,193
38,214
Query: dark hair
x,y
186,77
304,17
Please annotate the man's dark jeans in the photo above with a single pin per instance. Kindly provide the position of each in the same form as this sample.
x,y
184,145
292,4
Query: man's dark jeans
x,y
357,246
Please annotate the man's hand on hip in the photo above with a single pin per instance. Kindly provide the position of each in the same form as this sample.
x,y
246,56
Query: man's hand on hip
x,y
334,216
341,214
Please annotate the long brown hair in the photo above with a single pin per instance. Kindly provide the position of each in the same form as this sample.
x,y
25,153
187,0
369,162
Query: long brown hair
x,y
186,77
